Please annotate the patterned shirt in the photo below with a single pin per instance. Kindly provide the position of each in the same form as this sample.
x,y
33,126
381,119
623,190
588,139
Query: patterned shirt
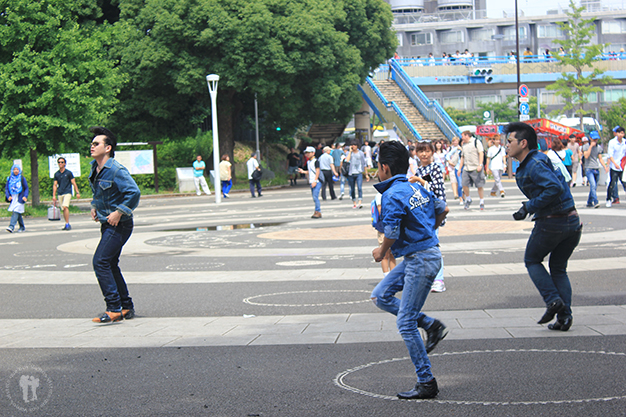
x,y
436,184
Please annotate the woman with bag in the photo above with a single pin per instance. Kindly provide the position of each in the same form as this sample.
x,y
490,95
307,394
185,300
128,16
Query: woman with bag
x,y
16,193
356,158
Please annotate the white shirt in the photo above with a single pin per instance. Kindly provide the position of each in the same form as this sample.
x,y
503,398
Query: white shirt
x,y
616,151
496,162
252,164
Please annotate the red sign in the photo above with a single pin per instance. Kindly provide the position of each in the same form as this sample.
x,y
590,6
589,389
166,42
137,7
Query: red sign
x,y
553,128
487,130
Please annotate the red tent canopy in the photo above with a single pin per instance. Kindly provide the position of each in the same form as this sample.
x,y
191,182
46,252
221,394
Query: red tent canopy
x,y
554,129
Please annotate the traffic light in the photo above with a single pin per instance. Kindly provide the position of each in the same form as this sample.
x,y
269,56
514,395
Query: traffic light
x,y
278,129
482,72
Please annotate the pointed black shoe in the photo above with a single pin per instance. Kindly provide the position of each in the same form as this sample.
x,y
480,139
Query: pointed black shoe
x,y
436,333
422,391
553,308
562,324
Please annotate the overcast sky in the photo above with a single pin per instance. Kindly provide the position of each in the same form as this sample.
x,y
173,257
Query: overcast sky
x,y
537,7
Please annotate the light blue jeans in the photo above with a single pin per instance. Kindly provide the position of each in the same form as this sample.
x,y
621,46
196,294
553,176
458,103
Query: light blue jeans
x,y
16,218
356,184
414,277
593,175
315,191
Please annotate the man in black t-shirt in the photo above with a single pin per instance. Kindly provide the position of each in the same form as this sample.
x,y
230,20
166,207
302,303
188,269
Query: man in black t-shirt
x,y
293,162
63,182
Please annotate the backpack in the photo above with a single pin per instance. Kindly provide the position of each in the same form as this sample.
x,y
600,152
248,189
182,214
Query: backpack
x,y
376,224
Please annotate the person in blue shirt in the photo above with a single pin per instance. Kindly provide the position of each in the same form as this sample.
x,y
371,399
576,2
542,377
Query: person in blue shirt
x,y
115,196
410,214
557,228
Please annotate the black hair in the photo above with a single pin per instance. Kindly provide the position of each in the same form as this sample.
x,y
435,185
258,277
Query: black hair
x,y
59,158
424,145
619,129
523,131
394,155
110,138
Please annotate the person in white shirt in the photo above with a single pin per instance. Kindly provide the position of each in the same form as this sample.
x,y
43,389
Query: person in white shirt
x,y
254,180
617,150
453,158
328,170
496,164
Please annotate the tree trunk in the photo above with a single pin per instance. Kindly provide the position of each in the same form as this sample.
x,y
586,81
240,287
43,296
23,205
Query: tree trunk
x,y
228,108
34,177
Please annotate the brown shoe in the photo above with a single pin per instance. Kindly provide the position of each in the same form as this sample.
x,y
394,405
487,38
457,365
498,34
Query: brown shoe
x,y
493,194
316,215
109,317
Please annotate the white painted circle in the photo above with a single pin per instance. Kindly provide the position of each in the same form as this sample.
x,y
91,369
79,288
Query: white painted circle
x,y
249,299
339,379
300,263
28,388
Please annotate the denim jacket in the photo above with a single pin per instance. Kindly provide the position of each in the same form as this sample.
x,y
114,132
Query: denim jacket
x,y
408,215
113,190
544,185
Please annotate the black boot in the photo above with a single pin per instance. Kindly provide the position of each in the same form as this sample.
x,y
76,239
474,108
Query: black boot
x,y
421,391
551,311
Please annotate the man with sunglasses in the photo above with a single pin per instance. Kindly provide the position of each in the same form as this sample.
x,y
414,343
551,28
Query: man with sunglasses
x,y
115,196
557,228
63,182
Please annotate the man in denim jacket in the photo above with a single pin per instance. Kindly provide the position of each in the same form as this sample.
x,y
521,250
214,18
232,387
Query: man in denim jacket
x,y
409,214
557,228
115,196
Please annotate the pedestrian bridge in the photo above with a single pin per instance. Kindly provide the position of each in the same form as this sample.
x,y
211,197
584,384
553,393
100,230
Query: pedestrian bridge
x,y
536,72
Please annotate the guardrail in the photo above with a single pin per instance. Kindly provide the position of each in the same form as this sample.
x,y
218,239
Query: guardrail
x,y
430,109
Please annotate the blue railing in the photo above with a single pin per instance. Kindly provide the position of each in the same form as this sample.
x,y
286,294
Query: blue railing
x,y
430,109
399,113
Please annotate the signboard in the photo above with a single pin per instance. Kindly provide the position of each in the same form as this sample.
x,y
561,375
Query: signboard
x,y
523,90
487,115
136,162
487,130
524,117
553,128
73,163
524,109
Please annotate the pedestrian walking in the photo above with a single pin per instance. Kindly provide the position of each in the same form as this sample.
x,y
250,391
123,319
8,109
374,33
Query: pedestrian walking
x,y
115,197
593,159
198,176
410,215
63,182
254,174
315,179
225,175
293,162
557,227
616,151
496,165
356,158
328,172
472,160
16,194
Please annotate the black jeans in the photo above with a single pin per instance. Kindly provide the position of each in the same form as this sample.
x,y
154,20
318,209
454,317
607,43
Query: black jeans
x,y
611,190
328,179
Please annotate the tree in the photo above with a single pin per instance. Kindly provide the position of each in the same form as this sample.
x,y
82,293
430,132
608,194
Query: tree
x,y
581,53
55,80
303,59
613,116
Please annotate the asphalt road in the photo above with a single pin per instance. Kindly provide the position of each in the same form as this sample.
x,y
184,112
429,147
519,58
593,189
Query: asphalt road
x,y
181,269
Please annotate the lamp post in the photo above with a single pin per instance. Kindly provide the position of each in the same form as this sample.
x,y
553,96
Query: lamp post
x,y
256,124
517,59
212,80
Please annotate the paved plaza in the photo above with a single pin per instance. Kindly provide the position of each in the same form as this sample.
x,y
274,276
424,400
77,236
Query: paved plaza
x,y
252,308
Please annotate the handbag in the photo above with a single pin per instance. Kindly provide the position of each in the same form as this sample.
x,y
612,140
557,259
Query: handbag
x,y
54,213
345,168
257,174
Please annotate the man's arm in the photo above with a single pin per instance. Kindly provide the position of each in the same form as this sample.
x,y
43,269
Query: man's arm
x,y
75,187
439,218
379,252
481,158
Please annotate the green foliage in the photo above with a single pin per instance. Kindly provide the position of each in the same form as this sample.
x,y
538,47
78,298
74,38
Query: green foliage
x,y
504,112
581,53
302,58
613,116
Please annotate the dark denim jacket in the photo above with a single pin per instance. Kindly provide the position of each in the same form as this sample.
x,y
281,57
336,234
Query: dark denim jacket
x,y
408,215
544,185
113,189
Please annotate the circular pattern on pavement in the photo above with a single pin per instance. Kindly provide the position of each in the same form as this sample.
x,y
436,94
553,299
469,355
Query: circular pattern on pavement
x,y
292,293
560,375
452,228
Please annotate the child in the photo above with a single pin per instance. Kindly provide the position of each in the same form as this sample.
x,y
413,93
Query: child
x,y
410,215
388,262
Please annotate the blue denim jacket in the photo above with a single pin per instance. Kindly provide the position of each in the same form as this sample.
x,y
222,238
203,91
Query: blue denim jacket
x,y
544,185
113,189
408,215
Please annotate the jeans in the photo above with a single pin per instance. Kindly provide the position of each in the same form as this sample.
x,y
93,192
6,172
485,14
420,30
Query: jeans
x,y
258,186
226,186
611,190
593,175
105,265
16,218
315,192
342,184
558,237
414,277
356,179
459,181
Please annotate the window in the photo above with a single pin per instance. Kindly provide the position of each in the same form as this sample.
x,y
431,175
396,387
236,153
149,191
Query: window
x,y
549,31
453,36
455,102
550,98
614,94
400,38
509,33
421,39
616,26
481,34
487,99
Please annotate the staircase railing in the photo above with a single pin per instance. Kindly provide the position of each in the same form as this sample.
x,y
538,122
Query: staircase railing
x,y
393,114
430,109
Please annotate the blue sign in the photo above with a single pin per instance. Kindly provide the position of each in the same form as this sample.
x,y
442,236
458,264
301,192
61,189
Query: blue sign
x,y
524,108
523,90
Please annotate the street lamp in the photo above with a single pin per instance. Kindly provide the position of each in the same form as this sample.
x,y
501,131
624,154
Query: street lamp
x,y
212,80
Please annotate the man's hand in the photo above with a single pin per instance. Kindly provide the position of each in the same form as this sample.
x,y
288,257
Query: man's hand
x,y
114,218
378,254
54,201
94,215
314,184
480,168
521,213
